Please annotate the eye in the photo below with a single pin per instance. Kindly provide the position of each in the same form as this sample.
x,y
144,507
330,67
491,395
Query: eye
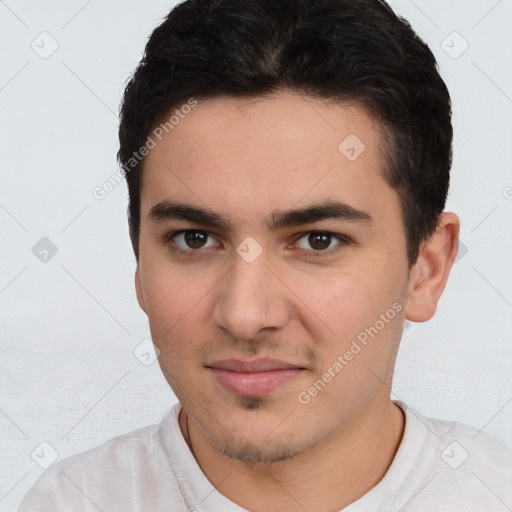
x,y
192,239
320,241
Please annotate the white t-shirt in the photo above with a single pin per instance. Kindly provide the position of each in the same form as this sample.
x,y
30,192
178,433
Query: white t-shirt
x,y
439,466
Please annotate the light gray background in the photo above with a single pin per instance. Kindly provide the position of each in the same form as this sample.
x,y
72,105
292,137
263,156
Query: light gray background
x,y
70,325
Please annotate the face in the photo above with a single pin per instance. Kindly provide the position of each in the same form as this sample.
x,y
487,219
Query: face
x,y
273,270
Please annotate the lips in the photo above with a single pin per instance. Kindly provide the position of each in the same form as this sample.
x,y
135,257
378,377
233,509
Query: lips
x,y
253,378
259,365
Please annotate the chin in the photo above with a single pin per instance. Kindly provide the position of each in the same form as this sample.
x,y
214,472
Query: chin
x,y
250,453
257,442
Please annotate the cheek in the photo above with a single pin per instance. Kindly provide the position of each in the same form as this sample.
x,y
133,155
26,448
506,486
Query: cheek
x,y
342,302
176,303
348,302
362,320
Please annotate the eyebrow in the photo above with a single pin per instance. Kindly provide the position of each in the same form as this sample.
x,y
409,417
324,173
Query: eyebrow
x,y
169,210
317,212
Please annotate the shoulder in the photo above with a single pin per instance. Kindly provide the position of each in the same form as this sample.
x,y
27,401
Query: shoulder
x,y
463,464
107,471
463,443
112,454
466,439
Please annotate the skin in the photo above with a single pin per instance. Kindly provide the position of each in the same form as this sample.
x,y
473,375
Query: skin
x,y
247,160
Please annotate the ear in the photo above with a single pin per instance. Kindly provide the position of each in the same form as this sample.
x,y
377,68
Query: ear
x,y
428,276
138,284
140,293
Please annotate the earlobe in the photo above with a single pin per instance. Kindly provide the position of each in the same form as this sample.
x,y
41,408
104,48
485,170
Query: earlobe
x,y
138,289
429,274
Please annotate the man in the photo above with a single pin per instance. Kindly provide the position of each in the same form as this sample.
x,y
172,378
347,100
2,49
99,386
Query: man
x,y
287,164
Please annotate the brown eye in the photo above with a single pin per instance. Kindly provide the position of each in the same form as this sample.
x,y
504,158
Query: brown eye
x,y
191,240
195,239
319,241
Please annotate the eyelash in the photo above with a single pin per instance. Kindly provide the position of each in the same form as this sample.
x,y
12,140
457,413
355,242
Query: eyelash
x,y
342,242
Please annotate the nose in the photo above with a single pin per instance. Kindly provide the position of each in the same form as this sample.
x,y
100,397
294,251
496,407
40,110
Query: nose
x,y
251,300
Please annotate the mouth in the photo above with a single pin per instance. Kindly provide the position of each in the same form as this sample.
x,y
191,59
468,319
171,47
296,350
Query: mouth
x,y
253,378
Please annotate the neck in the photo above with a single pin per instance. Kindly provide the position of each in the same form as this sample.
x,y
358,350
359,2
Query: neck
x,y
335,474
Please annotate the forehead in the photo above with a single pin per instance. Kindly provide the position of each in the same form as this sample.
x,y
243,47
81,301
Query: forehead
x,y
249,155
